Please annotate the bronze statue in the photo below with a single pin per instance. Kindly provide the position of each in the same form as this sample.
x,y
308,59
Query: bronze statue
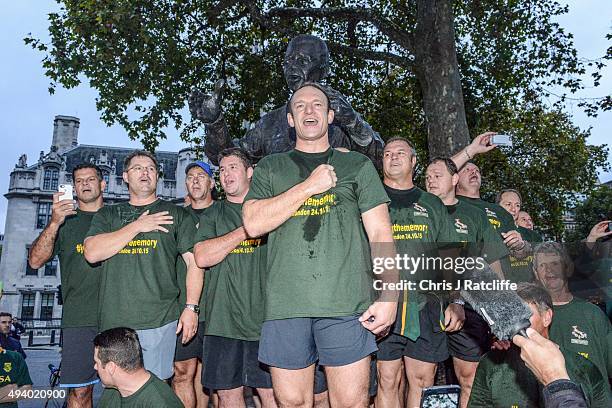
x,y
306,60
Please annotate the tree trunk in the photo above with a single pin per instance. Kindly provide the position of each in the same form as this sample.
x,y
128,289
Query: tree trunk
x,y
438,74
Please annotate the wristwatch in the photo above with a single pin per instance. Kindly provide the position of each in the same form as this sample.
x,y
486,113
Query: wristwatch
x,y
194,308
459,302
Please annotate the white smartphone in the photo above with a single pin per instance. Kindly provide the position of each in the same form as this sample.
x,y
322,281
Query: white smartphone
x,y
501,140
66,190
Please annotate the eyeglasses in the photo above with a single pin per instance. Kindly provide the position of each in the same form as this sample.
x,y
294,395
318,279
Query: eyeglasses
x,y
199,177
140,169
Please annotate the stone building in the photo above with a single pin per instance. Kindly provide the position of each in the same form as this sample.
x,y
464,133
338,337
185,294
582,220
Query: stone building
x,y
32,293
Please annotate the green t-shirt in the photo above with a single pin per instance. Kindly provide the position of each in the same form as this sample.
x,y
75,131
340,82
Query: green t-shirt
x,y
13,370
471,227
80,279
181,270
581,327
503,380
500,219
138,287
418,221
319,262
234,287
521,270
153,394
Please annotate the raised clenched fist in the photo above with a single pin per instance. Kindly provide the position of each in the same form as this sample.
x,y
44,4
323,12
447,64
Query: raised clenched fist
x,y
207,107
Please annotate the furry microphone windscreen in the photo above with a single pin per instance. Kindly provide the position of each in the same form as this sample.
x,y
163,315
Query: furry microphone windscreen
x,y
504,311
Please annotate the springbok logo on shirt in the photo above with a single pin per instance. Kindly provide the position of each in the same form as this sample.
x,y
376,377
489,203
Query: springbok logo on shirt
x,y
580,336
420,211
8,367
460,227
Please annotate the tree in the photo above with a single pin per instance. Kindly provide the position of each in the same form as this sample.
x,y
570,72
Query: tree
x,y
426,69
597,207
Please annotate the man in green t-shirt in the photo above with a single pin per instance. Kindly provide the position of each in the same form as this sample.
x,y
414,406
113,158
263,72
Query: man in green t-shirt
x,y
119,363
419,220
503,379
14,376
139,243
321,207
234,290
63,237
478,241
578,326
199,182
521,270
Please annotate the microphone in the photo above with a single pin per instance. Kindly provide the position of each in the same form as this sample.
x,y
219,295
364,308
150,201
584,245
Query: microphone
x,y
504,311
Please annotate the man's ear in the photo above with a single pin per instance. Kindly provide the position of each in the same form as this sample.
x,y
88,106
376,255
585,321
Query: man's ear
x,y
111,367
249,172
125,177
547,318
290,119
455,179
330,115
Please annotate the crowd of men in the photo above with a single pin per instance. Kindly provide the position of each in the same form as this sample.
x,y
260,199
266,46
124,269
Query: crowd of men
x,y
272,287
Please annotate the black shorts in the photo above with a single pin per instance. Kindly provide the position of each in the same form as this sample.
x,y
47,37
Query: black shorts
x,y
78,357
231,363
434,344
193,349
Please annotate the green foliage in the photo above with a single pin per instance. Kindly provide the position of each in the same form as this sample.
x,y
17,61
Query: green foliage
x,y
597,207
144,57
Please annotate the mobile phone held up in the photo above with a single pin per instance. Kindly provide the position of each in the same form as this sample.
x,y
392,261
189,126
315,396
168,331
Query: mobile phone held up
x,y
501,140
66,190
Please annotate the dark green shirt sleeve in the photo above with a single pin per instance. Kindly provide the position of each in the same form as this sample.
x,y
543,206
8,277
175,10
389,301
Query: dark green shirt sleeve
x,y
261,186
206,228
494,247
100,223
185,231
23,374
370,190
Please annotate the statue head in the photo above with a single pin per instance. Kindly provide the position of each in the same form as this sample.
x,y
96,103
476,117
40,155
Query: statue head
x,y
306,60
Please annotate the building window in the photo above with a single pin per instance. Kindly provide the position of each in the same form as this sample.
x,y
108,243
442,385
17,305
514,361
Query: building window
x,y
46,306
106,179
43,215
29,271
51,267
27,305
50,179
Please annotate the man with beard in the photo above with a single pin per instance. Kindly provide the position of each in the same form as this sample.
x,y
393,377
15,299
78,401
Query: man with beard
x,y
577,326
234,290
64,236
503,379
470,227
200,182
306,60
138,243
320,207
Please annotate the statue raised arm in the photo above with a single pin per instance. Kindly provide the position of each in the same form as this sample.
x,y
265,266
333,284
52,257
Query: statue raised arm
x,y
306,60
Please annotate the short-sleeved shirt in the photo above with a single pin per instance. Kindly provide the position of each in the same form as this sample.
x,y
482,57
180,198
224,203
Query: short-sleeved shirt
x,y
503,380
521,270
498,216
471,227
13,370
138,287
80,279
234,286
418,221
181,270
153,394
319,262
582,327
